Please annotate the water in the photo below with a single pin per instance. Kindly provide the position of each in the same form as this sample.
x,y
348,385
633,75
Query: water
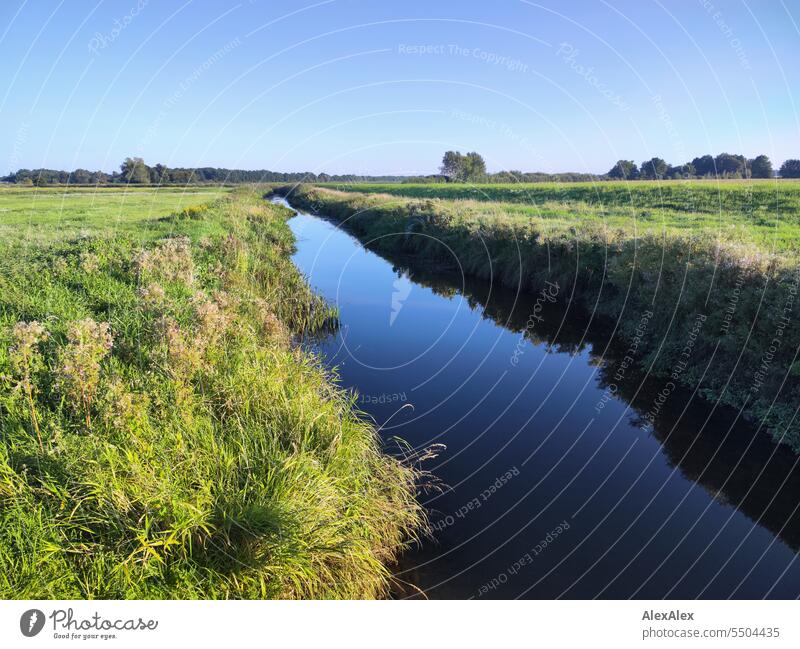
x,y
554,487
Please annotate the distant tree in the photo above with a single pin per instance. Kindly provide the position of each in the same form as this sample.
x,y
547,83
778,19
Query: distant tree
x,y
682,171
464,168
729,165
179,176
760,167
704,165
625,170
81,177
451,164
654,169
158,174
474,167
790,169
509,176
134,170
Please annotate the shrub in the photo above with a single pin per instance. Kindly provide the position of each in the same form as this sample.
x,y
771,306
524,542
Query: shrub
x,y
171,260
26,361
78,372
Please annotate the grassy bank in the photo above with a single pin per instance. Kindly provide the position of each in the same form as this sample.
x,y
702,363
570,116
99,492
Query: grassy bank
x,y
721,313
160,435
761,212
730,196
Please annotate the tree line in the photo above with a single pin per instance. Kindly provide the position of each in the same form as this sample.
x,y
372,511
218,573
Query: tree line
x,y
455,167
724,165
136,171
470,167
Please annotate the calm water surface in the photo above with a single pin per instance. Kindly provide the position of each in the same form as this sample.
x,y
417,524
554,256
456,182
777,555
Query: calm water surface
x,y
554,489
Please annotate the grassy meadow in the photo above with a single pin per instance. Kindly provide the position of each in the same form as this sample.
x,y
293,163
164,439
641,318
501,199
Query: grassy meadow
x,y
731,291
765,213
161,436
43,214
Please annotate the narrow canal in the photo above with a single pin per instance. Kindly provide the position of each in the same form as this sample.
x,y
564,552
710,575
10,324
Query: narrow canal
x,y
550,484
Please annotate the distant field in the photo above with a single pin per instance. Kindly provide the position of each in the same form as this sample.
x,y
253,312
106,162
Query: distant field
x,y
688,196
762,212
28,214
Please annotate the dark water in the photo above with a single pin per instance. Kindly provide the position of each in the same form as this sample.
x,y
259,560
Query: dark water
x,y
555,489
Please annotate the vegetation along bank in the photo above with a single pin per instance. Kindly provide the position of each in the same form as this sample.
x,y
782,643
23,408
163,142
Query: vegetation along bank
x,y
161,436
719,303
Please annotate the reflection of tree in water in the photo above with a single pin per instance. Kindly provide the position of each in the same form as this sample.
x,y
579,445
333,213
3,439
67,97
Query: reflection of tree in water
x,y
734,461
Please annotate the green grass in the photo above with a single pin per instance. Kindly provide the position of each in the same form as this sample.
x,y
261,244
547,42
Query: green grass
x,y
36,215
203,456
765,213
745,352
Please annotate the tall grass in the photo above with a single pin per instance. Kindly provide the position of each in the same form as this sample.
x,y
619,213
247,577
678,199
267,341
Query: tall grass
x,y
684,195
761,212
743,354
161,437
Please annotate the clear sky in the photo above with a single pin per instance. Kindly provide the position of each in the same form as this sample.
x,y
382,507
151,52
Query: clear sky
x,y
367,86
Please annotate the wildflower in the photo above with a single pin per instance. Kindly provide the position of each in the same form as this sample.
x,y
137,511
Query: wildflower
x,y
232,246
226,301
170,260
185,356
192,212
118,407
153,296
220,272
60,265
271,325
89,342
26,359
212,316
90,263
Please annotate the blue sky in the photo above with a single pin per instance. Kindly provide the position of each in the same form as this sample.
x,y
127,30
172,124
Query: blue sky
x,y
385,87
